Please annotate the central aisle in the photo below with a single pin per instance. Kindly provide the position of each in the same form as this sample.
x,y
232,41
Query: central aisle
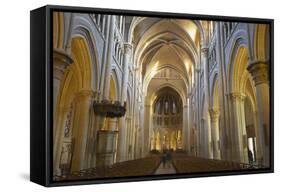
x,y
168,169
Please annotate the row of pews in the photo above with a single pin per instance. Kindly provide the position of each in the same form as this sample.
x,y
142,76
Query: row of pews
x,y
148,166
187,164
139,167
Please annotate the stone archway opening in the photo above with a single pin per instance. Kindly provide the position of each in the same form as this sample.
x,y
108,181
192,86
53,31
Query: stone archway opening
x,y
167,121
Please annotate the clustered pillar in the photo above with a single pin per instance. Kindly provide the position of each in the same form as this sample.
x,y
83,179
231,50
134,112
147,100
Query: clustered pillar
x,y
205,120
259,72
239,135
214,114
123,129
61,61
83,107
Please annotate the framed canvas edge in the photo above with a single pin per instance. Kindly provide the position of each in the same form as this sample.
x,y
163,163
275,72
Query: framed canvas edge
x,y
48,99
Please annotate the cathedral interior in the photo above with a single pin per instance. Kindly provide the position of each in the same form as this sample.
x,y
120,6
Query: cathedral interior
x,y
128,91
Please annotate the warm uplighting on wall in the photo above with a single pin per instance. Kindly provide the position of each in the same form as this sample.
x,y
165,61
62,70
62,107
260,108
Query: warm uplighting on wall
x,y
187,64
189,27
154,69
145,45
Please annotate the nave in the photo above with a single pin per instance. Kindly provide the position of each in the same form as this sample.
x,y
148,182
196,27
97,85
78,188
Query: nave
x,y
127,88
153,165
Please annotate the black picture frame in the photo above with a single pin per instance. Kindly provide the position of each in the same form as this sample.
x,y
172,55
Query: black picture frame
x,y
41,107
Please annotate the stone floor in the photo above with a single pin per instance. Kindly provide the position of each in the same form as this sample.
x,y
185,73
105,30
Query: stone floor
x,y
167,169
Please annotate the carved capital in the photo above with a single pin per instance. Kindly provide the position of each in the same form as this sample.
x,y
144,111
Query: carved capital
x,y
237,96
127,48
259,71
204,49
61,60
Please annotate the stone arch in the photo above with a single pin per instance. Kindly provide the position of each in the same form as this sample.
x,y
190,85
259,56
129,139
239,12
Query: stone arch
x,y
137,20
240,82
238,69
58,30
189,49
238,42
82,63
167,112
215,92
261,42
76,83
78,76
151,74
238,75
170,87
115,77
84,32
182,95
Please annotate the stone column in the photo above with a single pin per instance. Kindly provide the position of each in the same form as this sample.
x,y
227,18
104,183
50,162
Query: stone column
x,y
207,132
259,72
214,114
59,139
83,105
259,147
204,60
108,59
143,140
92,136
61,60
127,57
186,129
146,128
198,123
122,139
192,128
239,134
128,143
139,132
113,124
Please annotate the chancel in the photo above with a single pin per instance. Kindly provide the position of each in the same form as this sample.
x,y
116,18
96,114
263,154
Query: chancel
x,y
138,96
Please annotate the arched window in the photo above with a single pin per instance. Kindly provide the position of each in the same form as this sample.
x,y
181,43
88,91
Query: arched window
x,y
168,109
174,107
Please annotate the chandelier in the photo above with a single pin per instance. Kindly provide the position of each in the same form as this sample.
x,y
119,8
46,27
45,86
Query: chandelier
x,y
109,109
